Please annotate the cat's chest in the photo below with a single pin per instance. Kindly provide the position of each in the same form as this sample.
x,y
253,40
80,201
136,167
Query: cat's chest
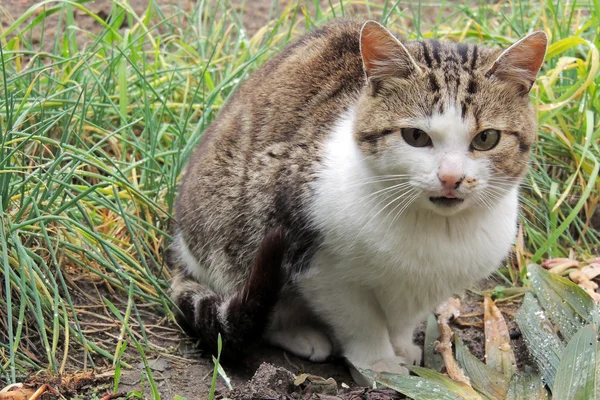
x,y
426,250
454,248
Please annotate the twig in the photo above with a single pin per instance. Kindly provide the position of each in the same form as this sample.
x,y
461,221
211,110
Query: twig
x,y
450,309
42,389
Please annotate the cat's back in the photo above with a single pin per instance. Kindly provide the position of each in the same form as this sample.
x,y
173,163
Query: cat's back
x,y
302,87
253,167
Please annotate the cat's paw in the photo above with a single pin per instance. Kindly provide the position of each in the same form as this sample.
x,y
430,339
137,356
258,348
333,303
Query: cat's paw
x,y
411,352
305,342
393,365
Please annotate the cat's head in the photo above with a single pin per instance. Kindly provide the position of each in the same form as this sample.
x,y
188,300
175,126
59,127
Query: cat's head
x,y
452,121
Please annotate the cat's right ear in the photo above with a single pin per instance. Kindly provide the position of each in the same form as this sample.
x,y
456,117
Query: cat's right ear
x,y
383,55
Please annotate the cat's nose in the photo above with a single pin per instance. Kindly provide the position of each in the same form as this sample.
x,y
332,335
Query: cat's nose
x,y
451,179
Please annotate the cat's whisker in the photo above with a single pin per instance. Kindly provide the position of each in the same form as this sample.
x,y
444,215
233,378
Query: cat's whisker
x,y
505,182
373,196
381,180
404,194
406,203
409,194
482,201
385,176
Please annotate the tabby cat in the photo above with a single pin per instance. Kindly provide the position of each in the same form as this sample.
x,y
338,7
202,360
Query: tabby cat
x,y
348,187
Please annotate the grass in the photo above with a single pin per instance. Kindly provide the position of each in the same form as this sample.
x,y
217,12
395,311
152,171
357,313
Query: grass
x,y
95,128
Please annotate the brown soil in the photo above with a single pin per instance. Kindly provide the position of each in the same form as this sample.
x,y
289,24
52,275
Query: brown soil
x,y
187,373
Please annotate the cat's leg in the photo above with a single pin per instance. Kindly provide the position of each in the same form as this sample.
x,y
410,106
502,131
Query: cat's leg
x,y
401,339
357,321
402,318
295,329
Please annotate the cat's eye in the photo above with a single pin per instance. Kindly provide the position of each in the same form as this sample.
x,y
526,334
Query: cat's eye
x,y
486,140
416,137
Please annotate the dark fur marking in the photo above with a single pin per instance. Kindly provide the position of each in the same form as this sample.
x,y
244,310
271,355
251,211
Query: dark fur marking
x,y
463,52
472,88
474,58
435,45
426,54
441,107
451,60
370,138
457,84
433,83
524,147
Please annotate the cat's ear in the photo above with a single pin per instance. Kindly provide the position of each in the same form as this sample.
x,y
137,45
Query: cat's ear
x,y
521,62
383,55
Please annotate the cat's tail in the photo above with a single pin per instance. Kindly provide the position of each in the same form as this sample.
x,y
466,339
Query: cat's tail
x,y
240,318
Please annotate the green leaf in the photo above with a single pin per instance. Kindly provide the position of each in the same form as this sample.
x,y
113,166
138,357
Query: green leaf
x,y
459,388
213,385
525,387
568,306
576,374
222,373
486,380
431,358
413,386
542,342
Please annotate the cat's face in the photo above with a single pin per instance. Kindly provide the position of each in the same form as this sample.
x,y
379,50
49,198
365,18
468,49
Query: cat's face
x,y
451,125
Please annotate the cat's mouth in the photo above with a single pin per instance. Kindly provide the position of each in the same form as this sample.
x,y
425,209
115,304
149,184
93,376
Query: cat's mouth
x,y
446,201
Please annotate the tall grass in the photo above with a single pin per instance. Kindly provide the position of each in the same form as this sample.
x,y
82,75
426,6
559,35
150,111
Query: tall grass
x,y
95,135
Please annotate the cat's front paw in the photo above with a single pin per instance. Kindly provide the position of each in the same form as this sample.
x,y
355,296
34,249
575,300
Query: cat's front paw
x,y
392,365
411,352
305,342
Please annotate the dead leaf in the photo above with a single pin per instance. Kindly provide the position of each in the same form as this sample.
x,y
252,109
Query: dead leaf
x,y
498,350
560,265
16,391
317,384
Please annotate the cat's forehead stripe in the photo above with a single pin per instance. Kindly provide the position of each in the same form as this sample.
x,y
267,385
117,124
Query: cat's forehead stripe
x,y
434,54
426,54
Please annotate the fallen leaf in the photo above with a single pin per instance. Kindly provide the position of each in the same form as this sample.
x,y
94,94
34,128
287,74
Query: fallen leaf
x,y
498,350
317,384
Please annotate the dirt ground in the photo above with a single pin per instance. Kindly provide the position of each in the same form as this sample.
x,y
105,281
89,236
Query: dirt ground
x,y
184,372
187,373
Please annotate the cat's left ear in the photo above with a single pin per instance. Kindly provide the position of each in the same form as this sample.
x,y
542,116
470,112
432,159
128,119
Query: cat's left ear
x,y
521,62
383,55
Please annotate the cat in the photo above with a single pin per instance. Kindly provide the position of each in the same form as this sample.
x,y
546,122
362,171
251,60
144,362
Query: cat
x,y
348,187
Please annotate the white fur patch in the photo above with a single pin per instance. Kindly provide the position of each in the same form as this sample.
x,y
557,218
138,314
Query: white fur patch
x,y
384,265
211,277
222,310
